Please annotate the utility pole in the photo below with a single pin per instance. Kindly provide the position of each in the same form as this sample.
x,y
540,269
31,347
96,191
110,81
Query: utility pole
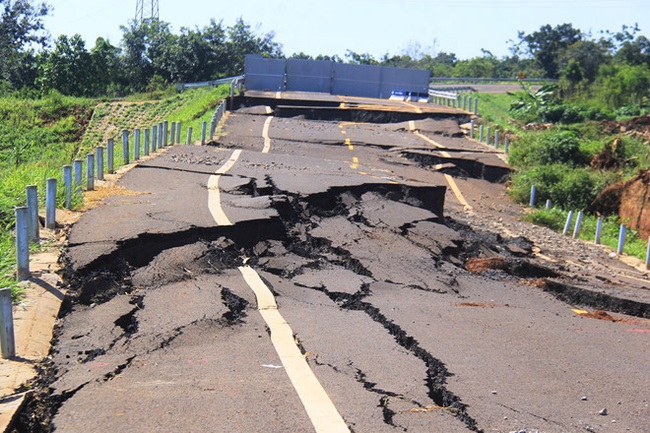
x,y
146,10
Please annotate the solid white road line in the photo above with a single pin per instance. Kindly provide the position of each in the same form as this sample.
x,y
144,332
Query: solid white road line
x,y
214,195
214,202
319,407
231,161
265,135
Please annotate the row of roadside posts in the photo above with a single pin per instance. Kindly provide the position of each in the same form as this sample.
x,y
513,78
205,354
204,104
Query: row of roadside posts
x,y
451,99
599,227
485,134
27,227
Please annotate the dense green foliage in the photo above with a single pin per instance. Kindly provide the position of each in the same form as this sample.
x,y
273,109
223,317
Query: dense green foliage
x,y
150,57
557,157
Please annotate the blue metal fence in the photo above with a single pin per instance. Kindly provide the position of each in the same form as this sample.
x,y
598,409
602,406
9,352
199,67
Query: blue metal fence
x,y
331,77
309,75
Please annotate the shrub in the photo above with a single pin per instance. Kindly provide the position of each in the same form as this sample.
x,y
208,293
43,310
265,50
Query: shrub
x,y
553,218
548,148
567,187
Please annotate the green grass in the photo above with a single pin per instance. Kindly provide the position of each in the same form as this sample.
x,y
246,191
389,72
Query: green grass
x,y
556,219
38,137
190,107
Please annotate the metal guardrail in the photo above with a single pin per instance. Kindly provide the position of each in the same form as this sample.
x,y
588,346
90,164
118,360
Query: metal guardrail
x,y
443,94
213,83
456,89
476,80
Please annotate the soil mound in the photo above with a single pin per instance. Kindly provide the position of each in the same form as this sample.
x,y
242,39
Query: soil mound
x,y
639,126
629,200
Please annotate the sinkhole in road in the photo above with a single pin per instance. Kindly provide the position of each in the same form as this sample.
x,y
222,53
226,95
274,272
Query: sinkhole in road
x,y
327,230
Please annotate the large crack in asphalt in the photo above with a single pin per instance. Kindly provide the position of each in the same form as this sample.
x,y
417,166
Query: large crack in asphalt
x,y
222,248
341,203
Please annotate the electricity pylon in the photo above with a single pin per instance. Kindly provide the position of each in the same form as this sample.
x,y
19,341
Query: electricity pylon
x,y
146,10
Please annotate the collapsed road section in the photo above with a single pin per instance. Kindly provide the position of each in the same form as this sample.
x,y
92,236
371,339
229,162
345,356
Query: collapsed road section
x,y
410,320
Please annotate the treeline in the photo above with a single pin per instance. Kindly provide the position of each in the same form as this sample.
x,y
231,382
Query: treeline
x,y
611,66
149,57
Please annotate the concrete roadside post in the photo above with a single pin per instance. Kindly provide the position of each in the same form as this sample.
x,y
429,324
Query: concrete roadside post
x,y
90,172
567,225
110,156
178,132
160,135
476,106
67,181
154,138
165,133
506,146
189,135
489,135
7,338
50,203
549,204
33,225
100,162
172,134
533,192
481,133
204,127
22,244
136,144
78,167
621,239
599,230
125,146
576,229
472,126
146,142
496,139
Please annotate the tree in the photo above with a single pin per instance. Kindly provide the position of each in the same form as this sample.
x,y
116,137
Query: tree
x,y
148,50
108,77
546,45
573,76
635,52
588,55
68,68
360,58
202,54
623,84
21,29
242,40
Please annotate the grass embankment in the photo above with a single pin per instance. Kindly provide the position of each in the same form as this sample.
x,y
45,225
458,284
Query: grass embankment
x,y
38,137
555,156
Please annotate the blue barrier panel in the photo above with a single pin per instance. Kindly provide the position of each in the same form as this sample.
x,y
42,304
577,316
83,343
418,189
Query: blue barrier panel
x,y
264,74
410,81
357,80
309,75
301,75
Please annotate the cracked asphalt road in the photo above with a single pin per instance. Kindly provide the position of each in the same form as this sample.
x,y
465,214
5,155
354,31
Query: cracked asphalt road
x,y
354,229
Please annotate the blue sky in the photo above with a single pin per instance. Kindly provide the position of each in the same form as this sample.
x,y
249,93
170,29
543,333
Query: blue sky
x,y
377,27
